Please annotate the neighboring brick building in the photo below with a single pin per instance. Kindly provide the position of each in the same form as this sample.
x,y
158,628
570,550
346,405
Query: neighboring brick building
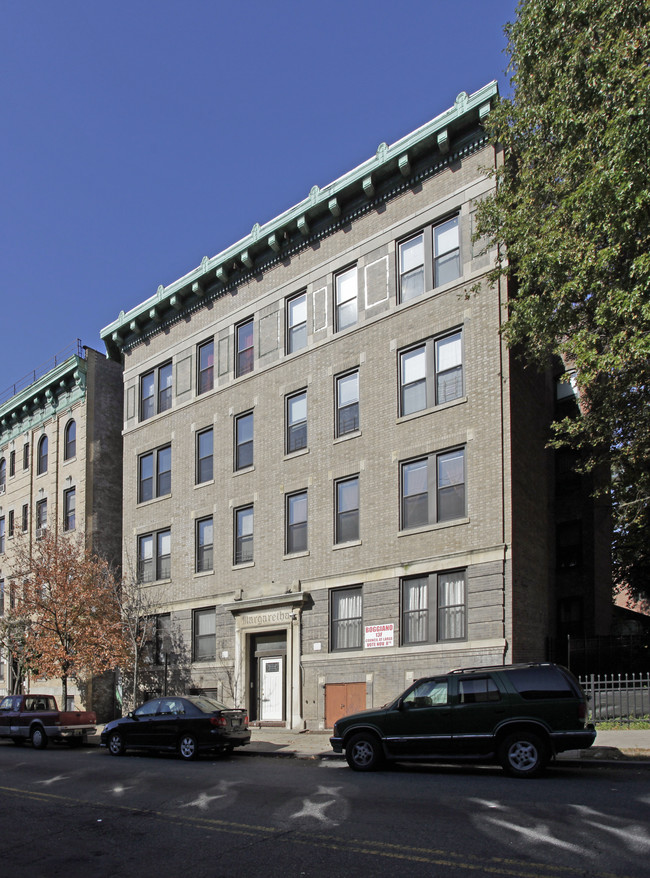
x,y
335,473
61,467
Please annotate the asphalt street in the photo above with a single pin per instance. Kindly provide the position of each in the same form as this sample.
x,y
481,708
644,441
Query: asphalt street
x,y
77,812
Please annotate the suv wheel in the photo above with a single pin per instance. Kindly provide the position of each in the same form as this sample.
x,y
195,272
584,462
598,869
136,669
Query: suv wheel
x,y
523,754
363,752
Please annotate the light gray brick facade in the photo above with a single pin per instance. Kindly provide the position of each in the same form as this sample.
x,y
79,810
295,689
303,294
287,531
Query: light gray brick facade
x,y
274,613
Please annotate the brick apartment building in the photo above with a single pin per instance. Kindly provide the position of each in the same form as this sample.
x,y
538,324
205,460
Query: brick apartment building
x,y
61,468
335,472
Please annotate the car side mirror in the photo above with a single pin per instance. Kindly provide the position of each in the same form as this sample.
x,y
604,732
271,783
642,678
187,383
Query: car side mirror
x,y
400,704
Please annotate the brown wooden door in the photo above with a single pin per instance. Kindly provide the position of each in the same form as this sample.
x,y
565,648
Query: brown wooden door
x,y
342,699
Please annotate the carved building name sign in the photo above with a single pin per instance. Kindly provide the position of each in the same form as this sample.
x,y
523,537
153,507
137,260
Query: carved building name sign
x,y
272,617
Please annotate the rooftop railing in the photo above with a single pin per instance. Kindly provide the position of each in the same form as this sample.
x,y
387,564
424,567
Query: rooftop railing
x,y
74,349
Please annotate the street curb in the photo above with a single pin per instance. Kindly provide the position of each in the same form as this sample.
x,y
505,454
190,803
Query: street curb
x,y
624,760
290,754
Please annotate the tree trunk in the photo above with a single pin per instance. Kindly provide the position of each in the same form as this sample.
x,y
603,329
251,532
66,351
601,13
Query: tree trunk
x,y
64,693
135,682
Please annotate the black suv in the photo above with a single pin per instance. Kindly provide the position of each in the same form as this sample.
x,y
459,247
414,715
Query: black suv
x,y
518,715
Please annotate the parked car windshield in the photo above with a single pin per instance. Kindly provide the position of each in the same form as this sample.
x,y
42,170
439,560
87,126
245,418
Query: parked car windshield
x,y
427,693
148,709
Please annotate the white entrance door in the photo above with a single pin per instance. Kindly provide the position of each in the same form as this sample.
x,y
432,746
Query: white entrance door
x,y
271,708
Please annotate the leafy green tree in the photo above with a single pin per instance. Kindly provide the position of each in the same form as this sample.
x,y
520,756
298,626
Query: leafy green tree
x,y
571,215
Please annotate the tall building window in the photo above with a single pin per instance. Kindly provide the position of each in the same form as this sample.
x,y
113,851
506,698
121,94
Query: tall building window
x,y
155,474
347,403
429,258
346,298
2,597
26,455
25,517
41,517
434,608
346,618
3,475
446,252
10,524
12,463
204,545
296,526
3,536
42,455
449,367
205,359
411,267
204,456
244,440
296,418
245,358
296,323
155,391
69,507
433,489
244,535
70,440
165,387
431,373
346,527
163,554
451,606
146,566
568,545
204,646
154,556
147,396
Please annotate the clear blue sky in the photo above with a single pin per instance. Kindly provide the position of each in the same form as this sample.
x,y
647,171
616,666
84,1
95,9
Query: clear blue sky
x,y
140,136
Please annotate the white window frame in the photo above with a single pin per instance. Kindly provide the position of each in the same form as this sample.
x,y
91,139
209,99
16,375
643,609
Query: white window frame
x,y
297,522
428,372
346,405
296,311
429,479
346,618
346,298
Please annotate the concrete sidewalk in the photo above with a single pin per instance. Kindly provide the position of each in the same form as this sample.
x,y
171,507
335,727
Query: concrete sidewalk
x,y
623,745
626,745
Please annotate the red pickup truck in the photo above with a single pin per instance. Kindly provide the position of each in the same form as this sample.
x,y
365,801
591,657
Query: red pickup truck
x,y
37,718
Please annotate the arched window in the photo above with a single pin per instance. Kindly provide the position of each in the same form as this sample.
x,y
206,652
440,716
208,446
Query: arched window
x,y
42,456
70,441
3,473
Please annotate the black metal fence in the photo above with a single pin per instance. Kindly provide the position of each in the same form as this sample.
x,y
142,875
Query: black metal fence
x,y
621,697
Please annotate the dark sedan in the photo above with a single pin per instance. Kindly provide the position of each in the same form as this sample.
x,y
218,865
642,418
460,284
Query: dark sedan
x,y
187,724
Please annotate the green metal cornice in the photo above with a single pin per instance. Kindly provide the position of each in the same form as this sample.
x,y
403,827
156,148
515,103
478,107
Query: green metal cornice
x,y
37,403
450,136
